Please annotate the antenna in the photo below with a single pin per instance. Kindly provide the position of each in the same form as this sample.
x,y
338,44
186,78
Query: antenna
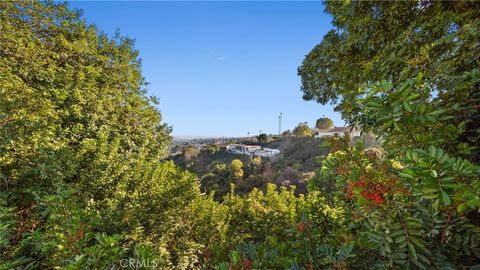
x,y
280,124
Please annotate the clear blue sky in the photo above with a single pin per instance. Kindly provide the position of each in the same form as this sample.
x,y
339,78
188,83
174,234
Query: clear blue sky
x,y
222,68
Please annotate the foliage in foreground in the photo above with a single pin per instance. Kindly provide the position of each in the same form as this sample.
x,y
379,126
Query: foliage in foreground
x,y
82,179
84,185
407,72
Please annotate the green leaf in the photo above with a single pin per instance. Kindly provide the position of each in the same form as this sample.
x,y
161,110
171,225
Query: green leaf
x,y
388,124
412,97
444,197
406,175
437,112
429,190
436,205
452,185
430,196
420,76
399,255
397,233
397,126
400,238
421,108
407,107
411,251
461,207
372,104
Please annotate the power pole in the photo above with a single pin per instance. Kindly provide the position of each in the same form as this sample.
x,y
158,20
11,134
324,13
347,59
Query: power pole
x,y
280,124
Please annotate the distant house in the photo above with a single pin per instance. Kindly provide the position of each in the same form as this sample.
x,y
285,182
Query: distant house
x,y
319,133
252,150
242,148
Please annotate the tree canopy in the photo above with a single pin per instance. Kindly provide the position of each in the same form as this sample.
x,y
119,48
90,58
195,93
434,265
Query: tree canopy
x,y
262,137
408,73
381,40
236,168
302,129
81,147
324,123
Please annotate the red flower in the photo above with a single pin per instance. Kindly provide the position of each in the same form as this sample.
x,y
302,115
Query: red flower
x,y
247,264
300,226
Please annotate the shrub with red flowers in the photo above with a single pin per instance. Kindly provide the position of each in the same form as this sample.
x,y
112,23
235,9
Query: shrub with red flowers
x,y
364,176
373,191
414,198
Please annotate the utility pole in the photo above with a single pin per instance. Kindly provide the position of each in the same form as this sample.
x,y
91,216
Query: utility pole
x,y
280,124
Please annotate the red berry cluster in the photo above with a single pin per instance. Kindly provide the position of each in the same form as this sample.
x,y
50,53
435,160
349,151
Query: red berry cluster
x,y
301,227
374,197
373,192
247,264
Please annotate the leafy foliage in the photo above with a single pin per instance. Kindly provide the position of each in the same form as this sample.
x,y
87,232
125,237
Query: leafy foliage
x,y
303,130
262,137
378,40
405,72
324,123
236,167
84,183
81,146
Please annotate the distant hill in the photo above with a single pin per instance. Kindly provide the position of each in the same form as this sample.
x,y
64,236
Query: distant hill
x,y
299,157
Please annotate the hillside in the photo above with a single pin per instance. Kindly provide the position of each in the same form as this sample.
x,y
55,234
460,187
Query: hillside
x,y
299,157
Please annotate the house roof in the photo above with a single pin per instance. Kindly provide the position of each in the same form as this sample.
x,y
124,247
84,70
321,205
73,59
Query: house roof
x,y
338,129
244,145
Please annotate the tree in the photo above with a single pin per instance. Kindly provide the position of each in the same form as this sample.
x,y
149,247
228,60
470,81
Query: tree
x,y
287,133
190,152
262,137
303,130
213,148
236,168
324,123
256,164
411,81
83,181
377,40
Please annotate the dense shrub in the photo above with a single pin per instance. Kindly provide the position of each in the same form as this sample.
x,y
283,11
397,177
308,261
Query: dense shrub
x,y
413,204
82,181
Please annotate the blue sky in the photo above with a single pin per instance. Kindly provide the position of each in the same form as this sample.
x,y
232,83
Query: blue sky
x,y
222,68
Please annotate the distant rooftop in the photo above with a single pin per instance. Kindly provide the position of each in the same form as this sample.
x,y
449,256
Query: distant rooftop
x,y
337,129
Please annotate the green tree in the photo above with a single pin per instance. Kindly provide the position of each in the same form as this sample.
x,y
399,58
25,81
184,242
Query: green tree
x,y
257,162
324,123
190,152
411,80
81,150
377,40
262,138
213,148
303,130
236,168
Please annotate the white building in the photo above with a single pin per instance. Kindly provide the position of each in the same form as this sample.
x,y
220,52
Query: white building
x,y
242,148
252,150
319,133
